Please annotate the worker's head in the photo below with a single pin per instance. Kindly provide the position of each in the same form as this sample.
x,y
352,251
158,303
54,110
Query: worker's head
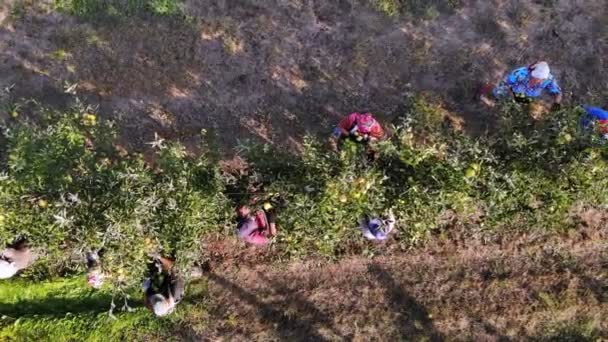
x,y
243,211
539,72
365,122
7,269
374,224
160,305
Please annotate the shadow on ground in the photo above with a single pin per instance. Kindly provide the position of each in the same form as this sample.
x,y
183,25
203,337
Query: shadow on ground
x,y
413,322
302,325
274,70
57,306
286,313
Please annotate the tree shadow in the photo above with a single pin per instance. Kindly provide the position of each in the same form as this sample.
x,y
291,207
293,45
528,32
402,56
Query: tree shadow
x,y
272,71
92,303
303,307
413,320
597,286
288,327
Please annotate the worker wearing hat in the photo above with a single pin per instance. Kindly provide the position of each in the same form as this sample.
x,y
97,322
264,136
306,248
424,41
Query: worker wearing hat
x,y
375,228
525,84
164,289
256,228
360,127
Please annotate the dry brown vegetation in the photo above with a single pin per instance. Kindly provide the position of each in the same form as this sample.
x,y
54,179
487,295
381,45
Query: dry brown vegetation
x,y
273,70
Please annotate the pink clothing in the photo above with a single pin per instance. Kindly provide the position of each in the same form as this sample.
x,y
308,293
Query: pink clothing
x,y
364,123
252,232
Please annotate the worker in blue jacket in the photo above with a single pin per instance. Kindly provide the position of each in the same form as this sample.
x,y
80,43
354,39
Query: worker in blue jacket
x,y
525,85
595,117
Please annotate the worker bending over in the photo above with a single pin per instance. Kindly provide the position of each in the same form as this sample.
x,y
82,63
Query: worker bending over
x,y
525,85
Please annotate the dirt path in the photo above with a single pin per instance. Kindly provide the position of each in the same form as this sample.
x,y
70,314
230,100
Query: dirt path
x,y
532,287
273,70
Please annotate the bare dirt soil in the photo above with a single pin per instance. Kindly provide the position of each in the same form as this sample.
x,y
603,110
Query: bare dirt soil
x,y
273,70
530,287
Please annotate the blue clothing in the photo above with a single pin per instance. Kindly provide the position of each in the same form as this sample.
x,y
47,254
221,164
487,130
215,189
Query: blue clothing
x,y
375,226
592,115
596,113
377,229
518,81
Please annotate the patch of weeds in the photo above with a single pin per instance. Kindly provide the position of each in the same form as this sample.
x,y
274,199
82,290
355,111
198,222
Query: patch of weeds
x,y
81,8
518,13
547,3
60,54
424,9
93,39
389,7
579,330
232,45
19,8
13,109
164,7
95,9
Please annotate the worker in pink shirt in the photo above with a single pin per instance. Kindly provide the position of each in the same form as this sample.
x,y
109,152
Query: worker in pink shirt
x,y
256,228
359,127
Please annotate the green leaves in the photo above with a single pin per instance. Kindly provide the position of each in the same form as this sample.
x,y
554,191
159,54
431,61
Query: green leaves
x,y
69,189
92,9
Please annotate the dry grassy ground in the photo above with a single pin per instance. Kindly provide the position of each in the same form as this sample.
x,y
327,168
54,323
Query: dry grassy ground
x,y
532,287
274,70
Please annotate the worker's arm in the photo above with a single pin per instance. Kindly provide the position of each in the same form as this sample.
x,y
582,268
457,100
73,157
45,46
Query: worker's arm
x,y
390,221
177,288
270,218
347,123
554,89
503,89
148,292
603,128
376,132
8,253
558,98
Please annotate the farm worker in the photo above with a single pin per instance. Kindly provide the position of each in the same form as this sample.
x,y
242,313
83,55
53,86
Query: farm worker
x,y
95,275
595,116
525,84
164,289
359,127
377,228
15,258
256,228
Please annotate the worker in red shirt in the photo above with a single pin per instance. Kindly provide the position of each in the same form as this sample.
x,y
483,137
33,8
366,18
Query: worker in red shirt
x,y
359,127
